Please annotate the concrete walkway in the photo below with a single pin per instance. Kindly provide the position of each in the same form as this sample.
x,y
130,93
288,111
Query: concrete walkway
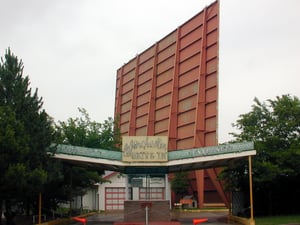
x,y
185,218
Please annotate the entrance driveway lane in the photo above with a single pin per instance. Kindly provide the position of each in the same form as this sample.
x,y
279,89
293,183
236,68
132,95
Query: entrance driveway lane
x,y
214,217
185,218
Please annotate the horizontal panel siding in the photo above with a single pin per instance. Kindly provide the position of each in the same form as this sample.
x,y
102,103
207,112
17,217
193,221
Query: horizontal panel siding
x,y
185,143
162,113
189,77
161,126
167,41
210,124
187,104
166,53
128,76
186,131
164,89
126,107
141,121
212,24
168,63
143,99
180,74
189,64
146,65
129,66
146,55
211,80
125,117
211,95
142,110
128,86
163,101
186,117
212,38
141,131
145,87
188,90
190,50
195,35
211,52
146,76
164,77
165,65
127,97
210,109
192,24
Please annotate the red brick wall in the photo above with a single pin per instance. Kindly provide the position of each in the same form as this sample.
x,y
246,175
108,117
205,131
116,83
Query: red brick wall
x,y
134,211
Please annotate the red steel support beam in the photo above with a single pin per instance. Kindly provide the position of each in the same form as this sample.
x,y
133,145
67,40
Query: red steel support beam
x,y
200,187
174,99
151,113
199,133
213,176
119,91
199,136
132,121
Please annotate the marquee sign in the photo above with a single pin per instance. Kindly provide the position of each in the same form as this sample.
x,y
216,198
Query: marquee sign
x,y
145,148
211,150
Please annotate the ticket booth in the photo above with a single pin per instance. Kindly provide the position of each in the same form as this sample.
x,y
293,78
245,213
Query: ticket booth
x,y
147,192
147,185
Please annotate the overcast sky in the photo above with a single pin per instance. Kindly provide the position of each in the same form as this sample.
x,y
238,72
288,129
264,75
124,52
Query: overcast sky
x,y
71,50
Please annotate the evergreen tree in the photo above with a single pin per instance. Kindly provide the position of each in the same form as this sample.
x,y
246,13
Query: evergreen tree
x,y
26,132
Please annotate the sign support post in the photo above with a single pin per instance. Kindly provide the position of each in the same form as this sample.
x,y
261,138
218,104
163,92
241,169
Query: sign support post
x,y
40,208
252,222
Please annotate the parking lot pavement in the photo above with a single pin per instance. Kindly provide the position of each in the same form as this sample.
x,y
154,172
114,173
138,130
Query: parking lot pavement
x,y
185,218
214,217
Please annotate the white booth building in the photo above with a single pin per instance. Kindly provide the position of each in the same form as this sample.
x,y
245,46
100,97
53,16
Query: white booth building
x,y
131,187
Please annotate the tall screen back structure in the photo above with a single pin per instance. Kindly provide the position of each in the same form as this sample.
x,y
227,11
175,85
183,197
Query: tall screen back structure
x,y
171,89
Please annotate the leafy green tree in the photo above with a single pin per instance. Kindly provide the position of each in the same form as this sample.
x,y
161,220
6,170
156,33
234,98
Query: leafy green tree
x,y
82,131
180,184
274,126
25,133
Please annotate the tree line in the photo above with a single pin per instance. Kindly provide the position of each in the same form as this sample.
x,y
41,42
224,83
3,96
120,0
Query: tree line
x,y
274,127
26,134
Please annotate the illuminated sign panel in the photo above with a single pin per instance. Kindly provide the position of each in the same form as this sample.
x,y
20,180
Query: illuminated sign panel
x,y
145,148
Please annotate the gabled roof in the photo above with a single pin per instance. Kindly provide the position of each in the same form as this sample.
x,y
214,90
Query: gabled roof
x,y
109,174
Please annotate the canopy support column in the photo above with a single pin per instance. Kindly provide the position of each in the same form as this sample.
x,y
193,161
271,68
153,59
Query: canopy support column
x,y
252,222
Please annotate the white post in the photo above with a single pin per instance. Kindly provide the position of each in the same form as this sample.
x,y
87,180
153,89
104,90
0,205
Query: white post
x,y
147,220
252,221
167,190
126,188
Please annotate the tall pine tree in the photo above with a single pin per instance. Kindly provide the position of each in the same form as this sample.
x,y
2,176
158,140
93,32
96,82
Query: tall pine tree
x,y
25,133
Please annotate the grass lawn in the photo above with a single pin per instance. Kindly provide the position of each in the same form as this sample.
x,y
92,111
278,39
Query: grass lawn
x,y
276,220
